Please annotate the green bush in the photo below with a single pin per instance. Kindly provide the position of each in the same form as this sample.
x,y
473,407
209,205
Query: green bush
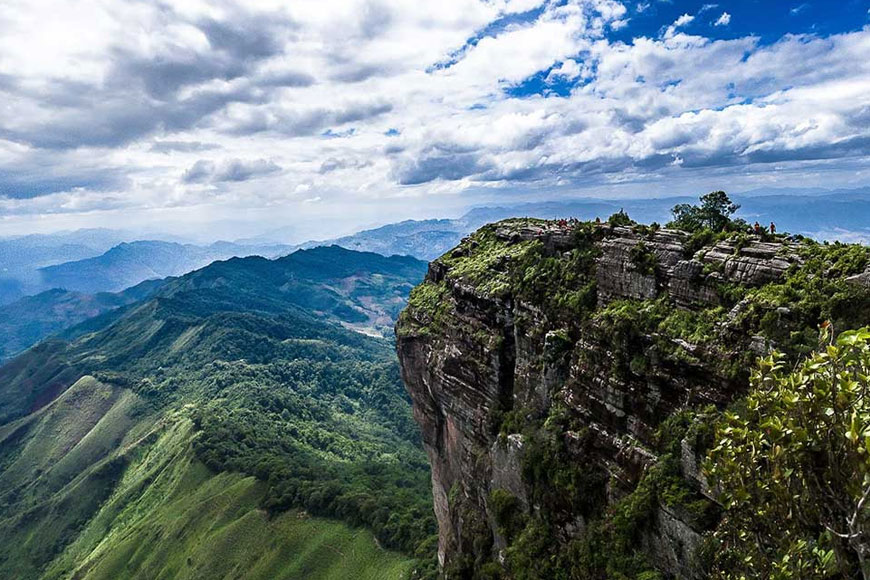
x,y
792,461
643,259
620,218
508,513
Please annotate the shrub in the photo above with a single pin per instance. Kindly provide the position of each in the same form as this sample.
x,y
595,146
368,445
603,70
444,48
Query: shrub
x,y
508,513
643,259
620,218
793,464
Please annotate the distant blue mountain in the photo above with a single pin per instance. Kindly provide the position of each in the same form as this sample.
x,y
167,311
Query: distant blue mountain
x,y
130,263
824,214
28,320
21,257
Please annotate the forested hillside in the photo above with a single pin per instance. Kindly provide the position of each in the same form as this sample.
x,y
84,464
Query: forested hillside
x,y
28,320
194,434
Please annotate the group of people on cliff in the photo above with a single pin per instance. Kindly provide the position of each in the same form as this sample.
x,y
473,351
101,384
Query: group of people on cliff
x,y
759,229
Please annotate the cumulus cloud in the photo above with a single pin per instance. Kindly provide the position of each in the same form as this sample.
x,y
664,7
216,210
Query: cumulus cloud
x,y
570,69
160,104
680,22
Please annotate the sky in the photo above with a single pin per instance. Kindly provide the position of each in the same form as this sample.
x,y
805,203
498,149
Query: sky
x,y
222,118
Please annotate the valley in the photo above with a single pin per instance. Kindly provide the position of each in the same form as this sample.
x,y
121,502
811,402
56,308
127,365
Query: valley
x,y
176,435
250,418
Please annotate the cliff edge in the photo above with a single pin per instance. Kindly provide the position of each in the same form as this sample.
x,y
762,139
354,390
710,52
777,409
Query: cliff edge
x,y
563,374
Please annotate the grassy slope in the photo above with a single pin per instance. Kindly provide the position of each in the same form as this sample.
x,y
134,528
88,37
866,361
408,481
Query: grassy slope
x,y
58,466
102,479
173,518
165,516
98,480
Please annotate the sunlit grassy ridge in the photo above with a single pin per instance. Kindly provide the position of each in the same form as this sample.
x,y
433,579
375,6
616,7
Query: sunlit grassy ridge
x,y
171,517
184,436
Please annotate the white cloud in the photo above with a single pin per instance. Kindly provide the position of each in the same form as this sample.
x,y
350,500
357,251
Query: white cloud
x,y
683,20
569,70
672,30
209,107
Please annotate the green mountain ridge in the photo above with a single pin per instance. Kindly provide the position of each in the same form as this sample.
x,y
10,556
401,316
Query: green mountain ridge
x,y
28,320
191,434
25,322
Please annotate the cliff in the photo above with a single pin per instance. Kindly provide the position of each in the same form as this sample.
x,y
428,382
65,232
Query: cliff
x,y
564,377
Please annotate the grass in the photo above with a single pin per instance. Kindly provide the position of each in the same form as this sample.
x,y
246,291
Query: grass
x,y
482,259
94,488
46,450
429,301
210,526
174,518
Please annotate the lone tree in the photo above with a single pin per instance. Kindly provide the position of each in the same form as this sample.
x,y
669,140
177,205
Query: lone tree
x,y
713,213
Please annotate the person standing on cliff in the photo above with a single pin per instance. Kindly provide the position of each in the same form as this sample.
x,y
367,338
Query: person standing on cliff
x,y
772,228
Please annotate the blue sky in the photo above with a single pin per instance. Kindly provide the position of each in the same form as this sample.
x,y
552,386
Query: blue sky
x,y
230,117
767,19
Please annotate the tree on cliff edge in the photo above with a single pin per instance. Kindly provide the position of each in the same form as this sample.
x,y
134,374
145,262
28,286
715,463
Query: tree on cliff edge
x,y
714,213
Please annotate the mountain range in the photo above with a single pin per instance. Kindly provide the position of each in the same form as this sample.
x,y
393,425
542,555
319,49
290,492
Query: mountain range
x,y
25,322
211,424
823,214
96,261
132,262
62,279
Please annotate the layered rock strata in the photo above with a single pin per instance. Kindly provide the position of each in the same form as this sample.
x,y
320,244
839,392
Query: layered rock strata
x,y
482,341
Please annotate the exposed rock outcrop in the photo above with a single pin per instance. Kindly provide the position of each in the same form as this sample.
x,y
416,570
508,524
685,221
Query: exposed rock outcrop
x,y
494,342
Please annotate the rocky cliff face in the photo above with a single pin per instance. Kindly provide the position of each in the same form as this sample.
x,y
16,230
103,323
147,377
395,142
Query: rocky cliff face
x,y
547,362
